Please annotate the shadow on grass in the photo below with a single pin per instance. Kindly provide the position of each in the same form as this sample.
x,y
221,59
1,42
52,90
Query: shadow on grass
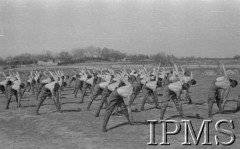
x,y
29,106
226,112
71,110
126,123
73,102
200,103
149,109
28,98
119,125
230,111
169,106
186,117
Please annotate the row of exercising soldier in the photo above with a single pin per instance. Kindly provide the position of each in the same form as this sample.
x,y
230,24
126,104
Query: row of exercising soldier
x,y
116,86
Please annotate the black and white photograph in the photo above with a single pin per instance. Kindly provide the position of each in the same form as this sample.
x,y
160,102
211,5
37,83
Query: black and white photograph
x,y
119,74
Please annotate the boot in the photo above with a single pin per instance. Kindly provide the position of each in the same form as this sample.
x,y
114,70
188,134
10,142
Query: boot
x,y
82,97
98,110
238,104
106,119
106,105
89,104
156,104
58,107
219,106
189,99
37,110
125,112
210,106
180,111
8,102
39,105
163,110
143,103
182,114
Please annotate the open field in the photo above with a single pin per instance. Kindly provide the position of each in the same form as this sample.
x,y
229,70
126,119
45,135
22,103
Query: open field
x,y
204,64
77,128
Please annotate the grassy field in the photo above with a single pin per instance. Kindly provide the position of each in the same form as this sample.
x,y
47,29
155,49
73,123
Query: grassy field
x,y
77,128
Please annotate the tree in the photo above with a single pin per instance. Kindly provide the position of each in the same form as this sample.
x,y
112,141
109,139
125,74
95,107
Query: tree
x,y
161,58
237,57
116,55
105,53
48,55
65,56
138,58
1,61
78,53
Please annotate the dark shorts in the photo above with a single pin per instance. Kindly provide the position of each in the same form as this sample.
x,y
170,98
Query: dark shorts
x,y
147,92
45,92
106,92
168,94
2,88
96,91
78,83
86,85
213,93
11,91
115,100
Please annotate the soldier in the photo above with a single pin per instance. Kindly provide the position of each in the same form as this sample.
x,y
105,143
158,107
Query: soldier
x,y
87,82
3,85
50,90
78,85
219,86
150,88
221,83
44,82
37,78
14,88
98,89
187,77
29,84
137,85
114,84
115,100
173,91
72,78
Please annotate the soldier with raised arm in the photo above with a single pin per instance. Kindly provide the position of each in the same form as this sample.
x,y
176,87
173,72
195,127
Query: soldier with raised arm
x,y
222,84
112,84
14,87
50,90
116,99
173,91
149,89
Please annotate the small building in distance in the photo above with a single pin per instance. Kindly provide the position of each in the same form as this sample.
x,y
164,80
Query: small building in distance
x,y
51,62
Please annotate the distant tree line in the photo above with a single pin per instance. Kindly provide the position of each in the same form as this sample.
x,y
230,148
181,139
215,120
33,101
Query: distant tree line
x,y
80,55
76,55
237,57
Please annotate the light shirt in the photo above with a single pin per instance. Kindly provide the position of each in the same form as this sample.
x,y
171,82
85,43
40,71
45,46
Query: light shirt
x,y
176,86
103,84
113,86
125,91
152,85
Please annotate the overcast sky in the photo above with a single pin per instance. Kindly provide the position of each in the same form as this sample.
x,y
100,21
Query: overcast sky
x,y
206,28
